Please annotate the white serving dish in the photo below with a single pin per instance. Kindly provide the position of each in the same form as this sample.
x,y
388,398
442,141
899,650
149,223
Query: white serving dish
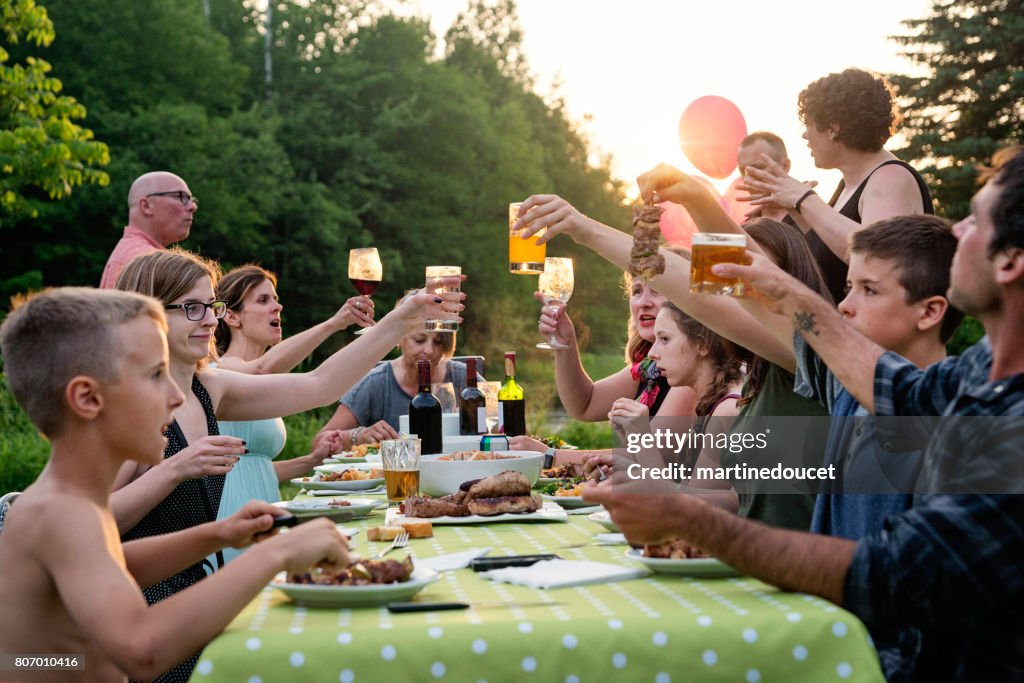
x,y
442,477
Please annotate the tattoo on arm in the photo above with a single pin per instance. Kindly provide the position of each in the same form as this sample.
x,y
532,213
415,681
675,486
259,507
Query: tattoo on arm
x,y
805,323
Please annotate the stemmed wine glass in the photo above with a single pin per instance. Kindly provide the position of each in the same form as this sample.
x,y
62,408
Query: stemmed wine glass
x,y
555,286
365,271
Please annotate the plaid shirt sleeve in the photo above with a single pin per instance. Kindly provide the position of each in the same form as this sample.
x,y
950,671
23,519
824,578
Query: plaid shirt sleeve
x,y
950,555
902,388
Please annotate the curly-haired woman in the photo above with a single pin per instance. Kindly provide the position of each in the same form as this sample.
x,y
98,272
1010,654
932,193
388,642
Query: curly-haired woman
x,y
849,116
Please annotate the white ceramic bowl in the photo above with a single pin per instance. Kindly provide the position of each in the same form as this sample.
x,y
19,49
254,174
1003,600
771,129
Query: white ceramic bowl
x,y
441,477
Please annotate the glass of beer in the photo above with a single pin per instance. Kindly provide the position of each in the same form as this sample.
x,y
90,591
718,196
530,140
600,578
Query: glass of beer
x,y
365,272
710,248
524,256
401,458
438,286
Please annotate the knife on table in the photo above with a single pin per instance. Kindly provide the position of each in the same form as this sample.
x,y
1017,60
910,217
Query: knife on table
x,y
399,607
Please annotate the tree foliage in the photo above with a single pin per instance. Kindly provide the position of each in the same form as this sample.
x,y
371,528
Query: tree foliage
x,y
41,146
371,136
969,101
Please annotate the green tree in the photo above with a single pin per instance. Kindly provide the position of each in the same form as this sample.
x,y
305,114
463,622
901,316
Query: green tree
x,y
969,100
41,146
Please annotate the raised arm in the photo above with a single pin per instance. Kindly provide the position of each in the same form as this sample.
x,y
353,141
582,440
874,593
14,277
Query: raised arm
x,y
283,357
721,314
891,191
583,398
850,355
665,183
252,397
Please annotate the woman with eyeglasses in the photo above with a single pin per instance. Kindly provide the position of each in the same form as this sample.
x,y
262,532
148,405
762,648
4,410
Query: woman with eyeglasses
x,y
249,340
185,489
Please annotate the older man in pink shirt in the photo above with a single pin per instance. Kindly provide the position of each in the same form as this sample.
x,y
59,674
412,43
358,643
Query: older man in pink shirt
x,y
160,208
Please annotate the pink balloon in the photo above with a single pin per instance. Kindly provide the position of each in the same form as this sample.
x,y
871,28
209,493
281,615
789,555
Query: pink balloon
x,y
710,131
676,225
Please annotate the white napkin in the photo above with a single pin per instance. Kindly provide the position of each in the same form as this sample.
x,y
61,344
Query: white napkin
x,y
611,539
563,574
443,563
335,492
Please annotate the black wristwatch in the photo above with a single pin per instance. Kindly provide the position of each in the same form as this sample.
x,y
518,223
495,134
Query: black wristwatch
x,y
549,458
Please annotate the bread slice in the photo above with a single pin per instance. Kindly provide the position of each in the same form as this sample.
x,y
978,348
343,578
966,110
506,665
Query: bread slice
x,y
383,533
418,529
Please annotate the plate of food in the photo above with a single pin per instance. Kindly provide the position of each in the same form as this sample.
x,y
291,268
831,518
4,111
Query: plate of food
x,y
364,452
335,509
566,492
559,473
364,583
659,560
349,480
603,518
502,497
342,467
547,512
568,502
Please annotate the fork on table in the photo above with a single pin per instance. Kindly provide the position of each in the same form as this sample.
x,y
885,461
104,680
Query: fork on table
x,y
401,540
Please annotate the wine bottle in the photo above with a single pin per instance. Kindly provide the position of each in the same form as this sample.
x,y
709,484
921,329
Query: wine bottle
x,y
425,413
511,406
472,404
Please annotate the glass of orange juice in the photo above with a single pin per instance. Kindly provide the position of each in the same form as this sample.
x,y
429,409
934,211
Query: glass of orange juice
x,y
524,256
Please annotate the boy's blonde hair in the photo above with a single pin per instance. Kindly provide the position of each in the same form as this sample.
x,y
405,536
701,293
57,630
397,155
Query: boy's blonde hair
x,y
55,335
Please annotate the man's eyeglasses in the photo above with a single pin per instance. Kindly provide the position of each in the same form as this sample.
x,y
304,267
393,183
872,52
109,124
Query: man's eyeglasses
x,y
183,197
196,310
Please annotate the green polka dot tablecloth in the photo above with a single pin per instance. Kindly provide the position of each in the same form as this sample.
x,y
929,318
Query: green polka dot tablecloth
x,y
659,628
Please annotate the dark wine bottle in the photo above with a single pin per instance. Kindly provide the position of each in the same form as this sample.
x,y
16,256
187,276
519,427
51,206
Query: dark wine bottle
x,y
472,404
425,413
511,405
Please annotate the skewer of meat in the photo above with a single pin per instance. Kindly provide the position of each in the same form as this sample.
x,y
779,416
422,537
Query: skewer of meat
x,y
644,259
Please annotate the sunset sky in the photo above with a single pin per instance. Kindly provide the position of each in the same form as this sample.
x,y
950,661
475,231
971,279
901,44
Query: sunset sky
x,y
632,67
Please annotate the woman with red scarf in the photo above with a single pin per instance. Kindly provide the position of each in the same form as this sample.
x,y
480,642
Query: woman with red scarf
x,y
640,380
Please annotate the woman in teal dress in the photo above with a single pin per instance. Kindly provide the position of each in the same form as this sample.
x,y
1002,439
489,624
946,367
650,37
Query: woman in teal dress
x,y
249,340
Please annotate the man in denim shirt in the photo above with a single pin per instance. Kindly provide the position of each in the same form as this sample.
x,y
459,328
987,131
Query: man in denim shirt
x,y
950,568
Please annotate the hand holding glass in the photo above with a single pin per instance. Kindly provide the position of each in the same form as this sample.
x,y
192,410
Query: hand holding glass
x,y
438,286
525,257
555,285
709,249
365,271
401,459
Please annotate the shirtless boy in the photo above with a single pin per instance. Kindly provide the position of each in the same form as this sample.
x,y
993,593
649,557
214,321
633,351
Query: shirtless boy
x,y
89,367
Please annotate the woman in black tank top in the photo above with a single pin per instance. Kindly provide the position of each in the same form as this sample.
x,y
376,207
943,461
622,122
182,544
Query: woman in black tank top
x,y
848,116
